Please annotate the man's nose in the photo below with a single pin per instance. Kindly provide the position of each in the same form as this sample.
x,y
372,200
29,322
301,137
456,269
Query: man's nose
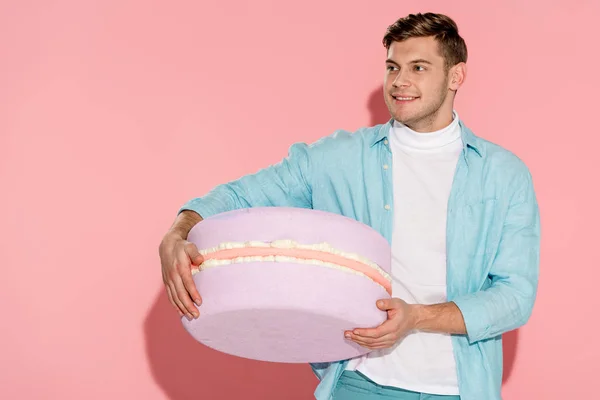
x,y
402,79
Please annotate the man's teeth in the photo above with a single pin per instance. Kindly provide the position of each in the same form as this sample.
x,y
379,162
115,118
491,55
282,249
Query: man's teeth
x,y
404,98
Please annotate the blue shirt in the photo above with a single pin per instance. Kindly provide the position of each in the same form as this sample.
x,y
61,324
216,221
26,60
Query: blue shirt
x,y
492,235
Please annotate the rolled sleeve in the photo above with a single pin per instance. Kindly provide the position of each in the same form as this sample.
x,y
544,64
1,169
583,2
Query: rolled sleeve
x,y
475,315
508,302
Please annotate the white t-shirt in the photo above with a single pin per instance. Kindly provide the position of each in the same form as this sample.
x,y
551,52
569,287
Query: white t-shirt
x,y
423,170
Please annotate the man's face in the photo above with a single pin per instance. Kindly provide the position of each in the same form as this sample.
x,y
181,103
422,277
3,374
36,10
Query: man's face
x,y
416,88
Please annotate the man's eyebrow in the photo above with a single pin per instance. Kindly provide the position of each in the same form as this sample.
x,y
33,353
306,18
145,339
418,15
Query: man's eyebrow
x,y
417,61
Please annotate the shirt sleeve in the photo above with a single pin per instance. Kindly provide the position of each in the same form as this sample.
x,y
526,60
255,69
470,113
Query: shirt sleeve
x,y
508,302
286,183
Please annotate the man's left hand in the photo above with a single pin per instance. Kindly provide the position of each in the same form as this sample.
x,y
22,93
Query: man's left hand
x,y
402,318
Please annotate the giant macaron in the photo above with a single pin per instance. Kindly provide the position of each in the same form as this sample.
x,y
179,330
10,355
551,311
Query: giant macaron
x,y
282,284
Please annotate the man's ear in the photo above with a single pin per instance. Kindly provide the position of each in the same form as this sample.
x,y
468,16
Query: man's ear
x,y
458,74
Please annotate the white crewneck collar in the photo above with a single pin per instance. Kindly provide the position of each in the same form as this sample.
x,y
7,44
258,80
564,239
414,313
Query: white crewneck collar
x,y
409,138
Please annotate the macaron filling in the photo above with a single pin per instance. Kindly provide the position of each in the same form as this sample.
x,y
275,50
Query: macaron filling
x,y
320,254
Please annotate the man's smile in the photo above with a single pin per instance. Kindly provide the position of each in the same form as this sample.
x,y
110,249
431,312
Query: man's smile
x,y
403,98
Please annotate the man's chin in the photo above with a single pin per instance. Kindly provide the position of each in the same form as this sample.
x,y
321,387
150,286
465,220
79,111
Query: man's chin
x,y
397,116
403,118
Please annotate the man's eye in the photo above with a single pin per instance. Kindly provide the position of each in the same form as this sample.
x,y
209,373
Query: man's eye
x,y
419,66
391,68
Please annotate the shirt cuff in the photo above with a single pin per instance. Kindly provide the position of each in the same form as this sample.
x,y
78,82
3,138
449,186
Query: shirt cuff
x,y
204,207
475,315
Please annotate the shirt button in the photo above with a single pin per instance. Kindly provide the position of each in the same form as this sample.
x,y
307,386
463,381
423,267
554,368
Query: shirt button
x,y
385,141
385,166
387,207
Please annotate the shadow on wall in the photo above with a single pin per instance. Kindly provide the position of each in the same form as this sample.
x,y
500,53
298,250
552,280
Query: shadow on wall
x,y
377,108
186,369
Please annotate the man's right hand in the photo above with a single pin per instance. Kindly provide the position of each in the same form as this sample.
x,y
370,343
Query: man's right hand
x,y
177,256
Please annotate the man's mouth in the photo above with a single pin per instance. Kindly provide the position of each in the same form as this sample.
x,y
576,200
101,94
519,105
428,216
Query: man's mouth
x,y
404,98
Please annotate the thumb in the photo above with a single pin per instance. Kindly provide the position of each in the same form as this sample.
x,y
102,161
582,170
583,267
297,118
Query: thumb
x,y
388,304
194,254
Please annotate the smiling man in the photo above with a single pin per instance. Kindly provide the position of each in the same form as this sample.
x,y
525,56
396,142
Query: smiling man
x,y
459,212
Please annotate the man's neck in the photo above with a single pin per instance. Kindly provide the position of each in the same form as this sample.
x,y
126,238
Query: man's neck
x,y
433,123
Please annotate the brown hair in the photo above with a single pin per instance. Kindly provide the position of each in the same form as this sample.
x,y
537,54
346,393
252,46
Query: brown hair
x,y
445,31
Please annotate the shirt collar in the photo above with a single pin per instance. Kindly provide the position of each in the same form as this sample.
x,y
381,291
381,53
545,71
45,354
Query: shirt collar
x,y
468,137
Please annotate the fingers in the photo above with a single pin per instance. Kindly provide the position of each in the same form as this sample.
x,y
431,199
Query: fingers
x,y
385,328
172,301
182,296
177,292
178,303
382,342
173,296
177,258
376,346
186,274
384,336
374,333
169,295
190,286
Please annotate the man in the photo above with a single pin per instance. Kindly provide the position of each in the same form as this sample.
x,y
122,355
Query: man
x,y
459,212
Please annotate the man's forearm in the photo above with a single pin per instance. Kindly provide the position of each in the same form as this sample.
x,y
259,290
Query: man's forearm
x,y
440,318
184,223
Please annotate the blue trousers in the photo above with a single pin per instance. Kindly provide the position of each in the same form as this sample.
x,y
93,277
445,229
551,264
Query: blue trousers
x,y
355,386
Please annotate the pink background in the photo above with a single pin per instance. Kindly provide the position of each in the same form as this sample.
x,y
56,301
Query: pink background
x,y
114,113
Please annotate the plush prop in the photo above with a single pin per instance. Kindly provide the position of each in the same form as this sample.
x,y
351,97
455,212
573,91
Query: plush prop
x,y
283,284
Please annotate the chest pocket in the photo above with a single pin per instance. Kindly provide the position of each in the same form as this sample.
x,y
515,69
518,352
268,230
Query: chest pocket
x,y
476,228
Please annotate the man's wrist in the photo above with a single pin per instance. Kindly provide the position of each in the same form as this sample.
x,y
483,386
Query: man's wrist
x,y
182,226
174,234
438,318
419,315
